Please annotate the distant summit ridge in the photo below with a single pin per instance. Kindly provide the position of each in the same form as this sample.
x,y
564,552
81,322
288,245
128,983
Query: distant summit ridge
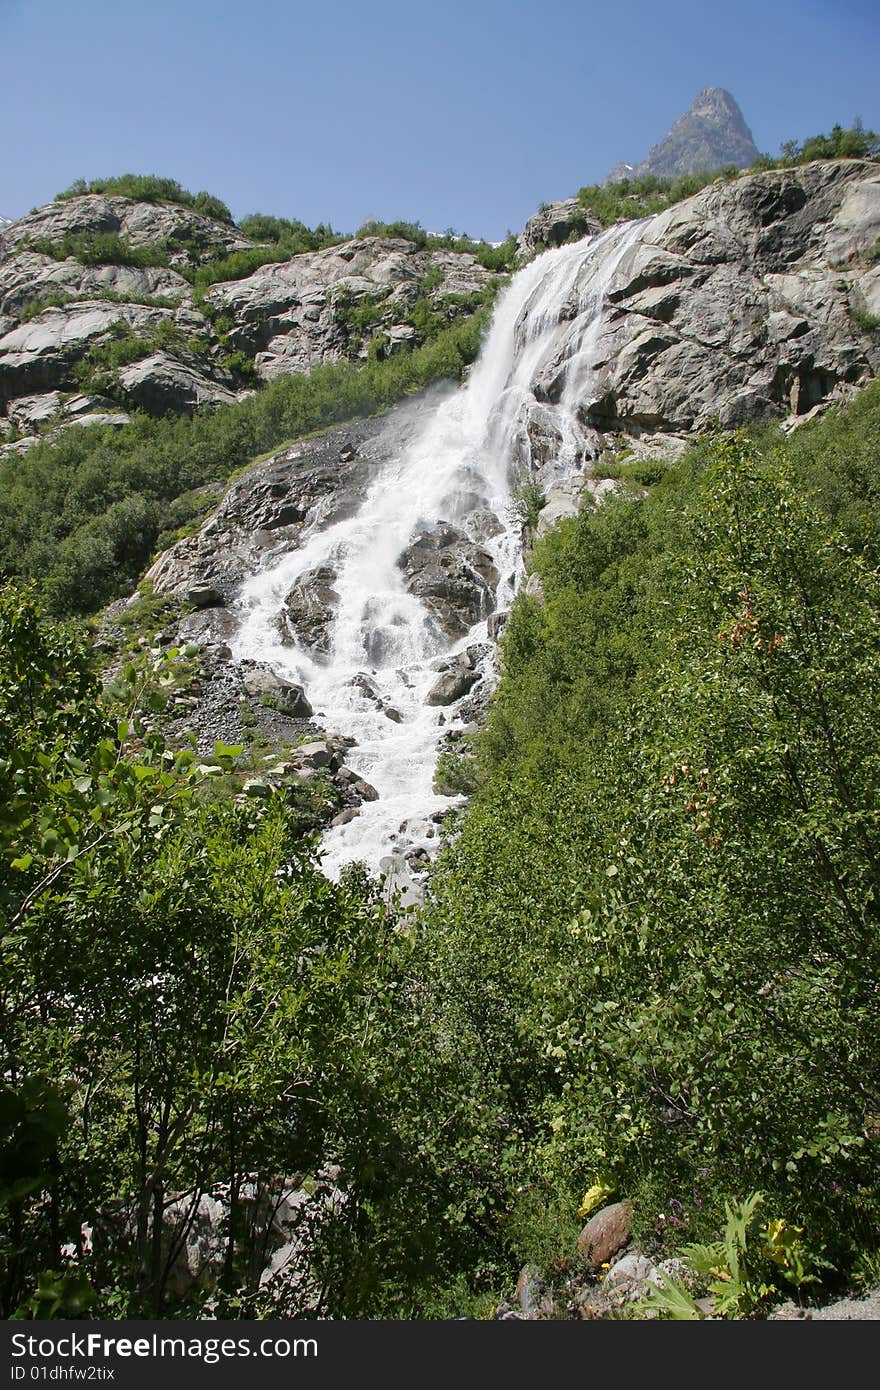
x,y
711,134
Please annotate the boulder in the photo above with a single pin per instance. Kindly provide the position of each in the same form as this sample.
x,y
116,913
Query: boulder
x,y
287,698
163,385
256,787
29,412
562,500
605,1233
454,577
204,596
451,686
497,623
309,609
631,1278
365,790
316,754
482,524
531,1291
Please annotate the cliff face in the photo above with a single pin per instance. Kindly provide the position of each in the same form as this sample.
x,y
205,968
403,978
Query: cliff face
x,y
751,300
711,134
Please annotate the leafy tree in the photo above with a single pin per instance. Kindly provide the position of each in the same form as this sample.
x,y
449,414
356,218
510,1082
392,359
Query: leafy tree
x,y
180,971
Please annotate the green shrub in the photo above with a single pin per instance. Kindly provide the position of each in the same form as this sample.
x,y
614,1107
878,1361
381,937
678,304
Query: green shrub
x,y
629,198
149,188
866,321
654,931
54,504
97,248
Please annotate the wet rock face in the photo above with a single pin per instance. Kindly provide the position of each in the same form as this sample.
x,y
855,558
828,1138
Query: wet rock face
x,y
741,303
309,609
452,575
262,515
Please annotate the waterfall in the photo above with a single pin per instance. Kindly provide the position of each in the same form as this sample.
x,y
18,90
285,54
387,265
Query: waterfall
x,y
384,645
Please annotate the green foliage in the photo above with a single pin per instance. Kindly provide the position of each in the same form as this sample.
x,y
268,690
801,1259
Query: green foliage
x,y
617,202
740,1269
649,949
82,514
58,1295
149,188
32,1118
855,143
295,236
529,500
497,258
204,992
97,248
654,936
97,367
868,322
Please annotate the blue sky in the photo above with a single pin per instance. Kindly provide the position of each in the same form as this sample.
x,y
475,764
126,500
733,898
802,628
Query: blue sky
x,y
467,113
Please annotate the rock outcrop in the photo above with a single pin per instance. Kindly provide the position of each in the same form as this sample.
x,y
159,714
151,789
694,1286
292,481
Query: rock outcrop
x,y
29,276
749,301
326,305
59,316
553,225
454,578
39,355
189,235
309,608
166,385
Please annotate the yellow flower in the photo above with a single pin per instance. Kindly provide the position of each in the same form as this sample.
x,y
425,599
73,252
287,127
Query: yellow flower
x,y
595,1197
781,1240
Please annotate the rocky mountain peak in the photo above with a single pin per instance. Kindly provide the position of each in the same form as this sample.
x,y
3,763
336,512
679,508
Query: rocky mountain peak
x,y
712,133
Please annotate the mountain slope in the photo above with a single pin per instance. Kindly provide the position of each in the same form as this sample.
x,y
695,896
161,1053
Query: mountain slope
x,y
711,134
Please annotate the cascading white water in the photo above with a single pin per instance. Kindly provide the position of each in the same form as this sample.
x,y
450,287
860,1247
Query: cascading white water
x,y
548,321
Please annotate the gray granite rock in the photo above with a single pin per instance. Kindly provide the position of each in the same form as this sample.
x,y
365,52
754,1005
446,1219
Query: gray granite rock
x,y
165,385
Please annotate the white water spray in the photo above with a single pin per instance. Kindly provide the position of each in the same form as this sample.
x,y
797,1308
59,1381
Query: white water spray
x,y
548,321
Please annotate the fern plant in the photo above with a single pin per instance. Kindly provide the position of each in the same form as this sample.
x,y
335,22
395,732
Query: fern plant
x,y
739,1269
